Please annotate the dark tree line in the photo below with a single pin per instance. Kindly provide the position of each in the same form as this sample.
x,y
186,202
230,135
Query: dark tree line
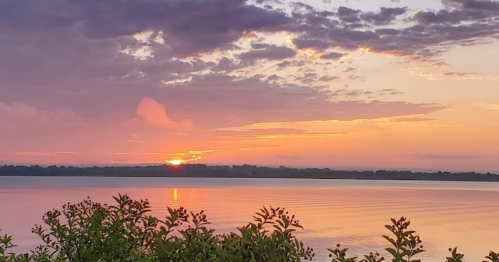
x,y
242,171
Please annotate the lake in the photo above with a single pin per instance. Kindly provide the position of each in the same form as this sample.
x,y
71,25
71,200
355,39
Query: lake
x,y
350,212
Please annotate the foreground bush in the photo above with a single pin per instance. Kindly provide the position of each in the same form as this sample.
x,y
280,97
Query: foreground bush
x,y
90,231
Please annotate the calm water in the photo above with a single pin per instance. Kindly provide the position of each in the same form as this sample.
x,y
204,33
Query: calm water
x,y
350,212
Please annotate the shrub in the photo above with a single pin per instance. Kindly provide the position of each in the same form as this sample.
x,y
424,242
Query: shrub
x,y
405,244
90,231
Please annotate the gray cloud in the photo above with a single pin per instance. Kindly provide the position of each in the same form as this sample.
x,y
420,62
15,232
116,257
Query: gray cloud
x,y
348,15
332,55
463,22
351,93
77,40
284,64
268,52
384,16
479,5
328,78
189,26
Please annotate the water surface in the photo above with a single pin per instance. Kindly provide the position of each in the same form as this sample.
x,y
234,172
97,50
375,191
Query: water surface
x,y
350,212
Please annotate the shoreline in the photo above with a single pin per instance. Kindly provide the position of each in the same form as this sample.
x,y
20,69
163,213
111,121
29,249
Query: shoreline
x,y
242,171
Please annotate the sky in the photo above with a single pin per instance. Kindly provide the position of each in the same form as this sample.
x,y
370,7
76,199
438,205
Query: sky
x,y
349,84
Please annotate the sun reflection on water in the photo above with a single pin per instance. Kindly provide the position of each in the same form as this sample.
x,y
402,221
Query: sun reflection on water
x,y
175,196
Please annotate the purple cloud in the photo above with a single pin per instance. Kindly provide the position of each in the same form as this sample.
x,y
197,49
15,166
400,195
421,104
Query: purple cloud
x,y
429,37
384,16
346,14
251,100
333,56
79,55
268,52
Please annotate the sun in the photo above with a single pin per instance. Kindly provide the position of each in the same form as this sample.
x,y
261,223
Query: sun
x,y
175,162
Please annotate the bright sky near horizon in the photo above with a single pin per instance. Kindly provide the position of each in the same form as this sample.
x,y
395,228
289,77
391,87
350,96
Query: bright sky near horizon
x,y
358,84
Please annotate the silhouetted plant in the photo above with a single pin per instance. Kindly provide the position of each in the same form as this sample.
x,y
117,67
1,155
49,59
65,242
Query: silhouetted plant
x,y
373,258
405,244
339,255
455,257
5,245
492,257
253,242
90,231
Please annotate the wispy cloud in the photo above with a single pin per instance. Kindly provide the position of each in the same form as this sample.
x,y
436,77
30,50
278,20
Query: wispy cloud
x,y
445,156
280,136
196,155
488,106
135,141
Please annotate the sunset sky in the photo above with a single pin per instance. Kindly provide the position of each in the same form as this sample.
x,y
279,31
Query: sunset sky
x,y
350,84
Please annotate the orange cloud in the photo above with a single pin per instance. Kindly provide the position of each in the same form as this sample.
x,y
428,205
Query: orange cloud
x,y
155,114
489,106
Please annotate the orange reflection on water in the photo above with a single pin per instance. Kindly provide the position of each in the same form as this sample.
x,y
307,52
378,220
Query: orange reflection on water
x,y
352,216
175,196
355,217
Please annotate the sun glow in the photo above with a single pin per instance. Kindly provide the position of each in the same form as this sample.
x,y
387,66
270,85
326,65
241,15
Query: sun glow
x,y
175,162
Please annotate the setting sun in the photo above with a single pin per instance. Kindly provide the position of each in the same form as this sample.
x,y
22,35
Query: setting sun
x,y
175,162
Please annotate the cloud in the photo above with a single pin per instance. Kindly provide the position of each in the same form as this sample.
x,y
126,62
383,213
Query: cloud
x,y
287,63
84,47
98,60
460,74
389,91
476,5
252,133
75,52
345,93
22,119
488,106
234,131
328,78
217,100
426,36
280,136
30,131
348,15
445,156
196,155
443,16
155,113
423,71
410,119
384,16
86,76
268,52
96,38
333,56
188,27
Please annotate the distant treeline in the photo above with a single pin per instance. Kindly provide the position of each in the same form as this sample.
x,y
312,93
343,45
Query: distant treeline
x,y
243,171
